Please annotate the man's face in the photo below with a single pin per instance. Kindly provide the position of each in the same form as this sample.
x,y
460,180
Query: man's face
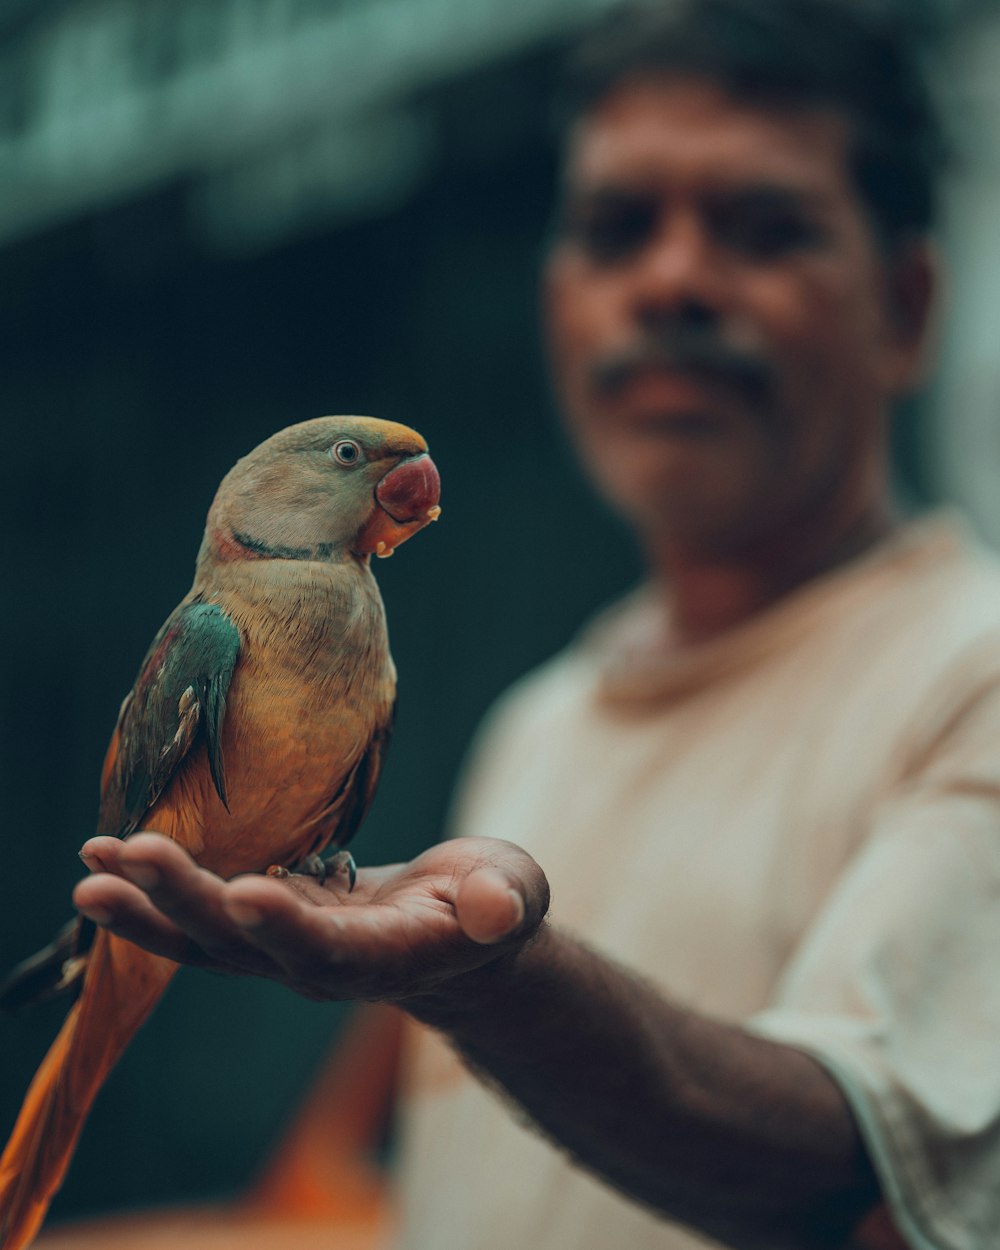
x,y
725,333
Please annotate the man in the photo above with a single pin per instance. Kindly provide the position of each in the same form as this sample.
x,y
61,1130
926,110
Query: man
x,y
765,790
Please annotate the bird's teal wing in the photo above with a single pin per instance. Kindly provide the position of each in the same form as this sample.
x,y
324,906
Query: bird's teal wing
x,y
179,698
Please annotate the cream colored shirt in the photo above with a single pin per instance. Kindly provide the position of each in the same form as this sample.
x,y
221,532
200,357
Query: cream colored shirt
x,y
797,827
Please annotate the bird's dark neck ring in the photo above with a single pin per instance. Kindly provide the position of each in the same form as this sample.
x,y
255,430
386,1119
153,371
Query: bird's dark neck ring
x,y
232,545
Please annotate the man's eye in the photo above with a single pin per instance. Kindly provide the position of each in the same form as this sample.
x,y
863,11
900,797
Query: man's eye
x,y
767,235
607,235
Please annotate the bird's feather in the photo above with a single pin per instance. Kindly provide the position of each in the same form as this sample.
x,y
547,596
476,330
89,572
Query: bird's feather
x,y
349,805
180,692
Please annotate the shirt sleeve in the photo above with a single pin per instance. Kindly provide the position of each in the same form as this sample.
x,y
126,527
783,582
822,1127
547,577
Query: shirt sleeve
x,y
896,988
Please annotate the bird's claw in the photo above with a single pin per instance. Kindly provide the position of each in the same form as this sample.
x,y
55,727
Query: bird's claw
x,y
343,861
320,868
314,866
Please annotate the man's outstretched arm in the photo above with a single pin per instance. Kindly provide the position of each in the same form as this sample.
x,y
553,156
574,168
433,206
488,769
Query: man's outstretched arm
x,y
746,1139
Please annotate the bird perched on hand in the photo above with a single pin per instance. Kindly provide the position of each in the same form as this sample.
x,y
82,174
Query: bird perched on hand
x,y
253,735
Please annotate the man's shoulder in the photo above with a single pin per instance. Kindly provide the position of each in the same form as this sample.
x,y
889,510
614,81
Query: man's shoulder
x,y
949,588
550,689
534,717
910,641
566,686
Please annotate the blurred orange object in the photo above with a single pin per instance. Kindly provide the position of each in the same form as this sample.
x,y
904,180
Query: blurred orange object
x,y
322,1180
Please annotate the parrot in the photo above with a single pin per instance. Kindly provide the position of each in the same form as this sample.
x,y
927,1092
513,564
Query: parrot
x,y
253,736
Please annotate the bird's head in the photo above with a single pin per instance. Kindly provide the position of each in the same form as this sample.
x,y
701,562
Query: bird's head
x,y
324,490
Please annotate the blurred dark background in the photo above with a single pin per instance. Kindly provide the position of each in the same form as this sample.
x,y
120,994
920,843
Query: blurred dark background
x,y
218,217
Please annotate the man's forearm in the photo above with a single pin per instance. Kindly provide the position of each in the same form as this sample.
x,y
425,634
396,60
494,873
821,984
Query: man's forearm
x,y
746,1139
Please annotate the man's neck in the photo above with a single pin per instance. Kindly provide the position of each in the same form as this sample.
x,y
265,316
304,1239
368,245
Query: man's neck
x,y
711,593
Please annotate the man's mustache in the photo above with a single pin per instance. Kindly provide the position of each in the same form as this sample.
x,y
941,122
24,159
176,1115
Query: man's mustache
x,y
701,351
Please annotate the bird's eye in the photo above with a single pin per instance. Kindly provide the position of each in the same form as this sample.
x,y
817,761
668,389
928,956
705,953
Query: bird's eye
x,y
346,451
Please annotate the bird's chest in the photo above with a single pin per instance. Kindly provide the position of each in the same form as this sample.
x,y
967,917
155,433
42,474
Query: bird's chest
x,y
314,682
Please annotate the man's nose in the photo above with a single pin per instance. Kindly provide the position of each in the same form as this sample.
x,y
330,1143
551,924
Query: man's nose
x,y
678,273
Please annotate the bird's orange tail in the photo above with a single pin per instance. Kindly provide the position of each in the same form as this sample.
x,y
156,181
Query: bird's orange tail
x,y
121,987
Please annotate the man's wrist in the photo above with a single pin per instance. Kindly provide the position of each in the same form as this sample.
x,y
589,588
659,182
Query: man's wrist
x,y
470,1003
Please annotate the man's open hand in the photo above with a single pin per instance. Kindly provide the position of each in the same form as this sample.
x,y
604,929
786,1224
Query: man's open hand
x,y
403,931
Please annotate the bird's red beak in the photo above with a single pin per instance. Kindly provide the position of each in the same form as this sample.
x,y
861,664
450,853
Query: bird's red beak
x,y
408,500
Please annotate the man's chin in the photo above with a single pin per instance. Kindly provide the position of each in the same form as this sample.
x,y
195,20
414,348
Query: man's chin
x,y
639,473
681,505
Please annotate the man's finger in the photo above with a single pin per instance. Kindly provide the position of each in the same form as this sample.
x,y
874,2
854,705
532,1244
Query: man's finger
x,y
192,899
292,929
488,907
506,897
103,853
124,910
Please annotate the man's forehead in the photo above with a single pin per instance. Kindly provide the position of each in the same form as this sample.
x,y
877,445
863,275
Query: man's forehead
x,y
652,130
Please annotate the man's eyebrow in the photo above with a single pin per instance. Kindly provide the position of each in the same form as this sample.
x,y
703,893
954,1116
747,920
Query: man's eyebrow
x,y
776,195
763,192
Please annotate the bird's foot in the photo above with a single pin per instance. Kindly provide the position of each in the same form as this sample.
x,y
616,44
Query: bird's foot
x,y
320,868
343,862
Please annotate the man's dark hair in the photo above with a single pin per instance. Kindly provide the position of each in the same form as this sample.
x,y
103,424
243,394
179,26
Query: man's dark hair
x,y
859,59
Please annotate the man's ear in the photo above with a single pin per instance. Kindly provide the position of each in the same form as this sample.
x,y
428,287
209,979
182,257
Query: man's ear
x,y
913,275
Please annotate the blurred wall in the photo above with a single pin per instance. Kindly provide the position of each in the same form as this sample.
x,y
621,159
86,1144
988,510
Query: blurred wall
x,y
170,294
963,441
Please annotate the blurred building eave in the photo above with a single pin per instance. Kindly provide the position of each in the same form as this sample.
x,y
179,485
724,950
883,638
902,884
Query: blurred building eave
x,y
105,99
